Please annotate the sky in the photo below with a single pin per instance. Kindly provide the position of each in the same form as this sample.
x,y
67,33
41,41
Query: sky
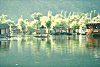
x,y
16,8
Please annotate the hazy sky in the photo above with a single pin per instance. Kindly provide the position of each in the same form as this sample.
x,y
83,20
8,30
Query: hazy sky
x,y
16,8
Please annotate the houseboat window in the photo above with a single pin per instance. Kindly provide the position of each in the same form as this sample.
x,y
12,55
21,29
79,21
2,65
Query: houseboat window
x,y
93,26
0,31
0,43
98,26
87,26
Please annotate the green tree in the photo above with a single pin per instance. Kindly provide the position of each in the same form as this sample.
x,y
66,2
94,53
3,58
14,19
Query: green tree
x,y
36,16
48,25
22,24
3,18
49,21
30,29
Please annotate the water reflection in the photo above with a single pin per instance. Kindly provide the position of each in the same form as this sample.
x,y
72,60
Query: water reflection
x,y
4,44
56,44
94,45
62,48
93,42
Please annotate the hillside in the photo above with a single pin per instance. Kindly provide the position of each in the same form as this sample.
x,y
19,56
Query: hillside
x,y
16,8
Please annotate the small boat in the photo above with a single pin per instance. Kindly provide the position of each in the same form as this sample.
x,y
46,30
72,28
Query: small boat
x,y
41,36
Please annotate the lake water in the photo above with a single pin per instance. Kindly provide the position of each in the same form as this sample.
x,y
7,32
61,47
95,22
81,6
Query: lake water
x,y
56,51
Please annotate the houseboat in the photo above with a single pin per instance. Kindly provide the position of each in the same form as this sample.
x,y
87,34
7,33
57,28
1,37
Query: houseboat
x,y
60,31
41,32
82,30
93,29
4,30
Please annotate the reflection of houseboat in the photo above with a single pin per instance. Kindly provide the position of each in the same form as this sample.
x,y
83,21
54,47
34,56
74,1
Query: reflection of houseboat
x,y
93,29
93,42
4,43
4,30
41,32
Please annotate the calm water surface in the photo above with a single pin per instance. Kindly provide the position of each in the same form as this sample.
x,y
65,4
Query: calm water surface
x,y
56,51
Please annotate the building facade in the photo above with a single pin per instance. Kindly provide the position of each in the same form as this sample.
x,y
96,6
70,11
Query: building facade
x,y
4,30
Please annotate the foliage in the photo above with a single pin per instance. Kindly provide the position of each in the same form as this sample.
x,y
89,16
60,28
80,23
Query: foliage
x,y
74,25
30,30
64,20
61,25
48,24
36,16
4,20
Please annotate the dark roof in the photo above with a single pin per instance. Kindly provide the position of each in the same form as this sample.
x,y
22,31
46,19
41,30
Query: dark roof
x,y
13,26
4,26
93,23
42,26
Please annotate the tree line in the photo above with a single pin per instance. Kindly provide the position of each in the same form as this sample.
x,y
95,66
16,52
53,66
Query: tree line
x,y
73,20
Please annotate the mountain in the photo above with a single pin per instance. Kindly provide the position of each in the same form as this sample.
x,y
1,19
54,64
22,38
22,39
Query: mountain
x,y
16,8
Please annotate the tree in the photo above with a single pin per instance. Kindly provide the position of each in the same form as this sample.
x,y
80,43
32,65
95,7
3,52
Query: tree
x,y
36,16
31,27
74,25
49,21
48,25
49,15
10,23
22,24
3,18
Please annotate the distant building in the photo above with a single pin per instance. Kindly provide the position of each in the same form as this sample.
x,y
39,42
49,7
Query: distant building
x,y
41,32
57,30
4,30
60,31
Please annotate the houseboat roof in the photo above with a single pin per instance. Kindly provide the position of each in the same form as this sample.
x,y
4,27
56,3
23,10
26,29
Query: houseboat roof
x,y
42,26
93,23
4,26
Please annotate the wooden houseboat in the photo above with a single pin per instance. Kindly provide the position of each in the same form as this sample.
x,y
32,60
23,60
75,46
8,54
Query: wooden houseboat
x,y
93,29
60,31
4,30
41,32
